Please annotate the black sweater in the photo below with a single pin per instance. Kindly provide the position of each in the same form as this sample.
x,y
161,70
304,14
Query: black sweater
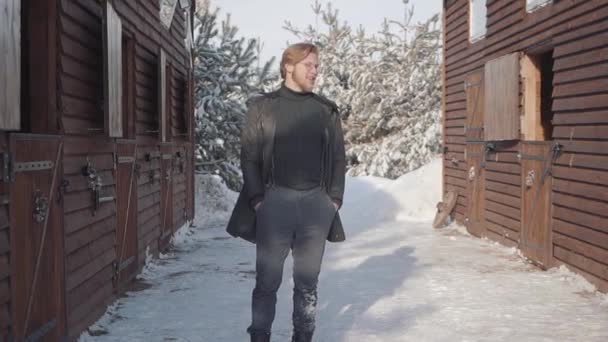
x,y
299,140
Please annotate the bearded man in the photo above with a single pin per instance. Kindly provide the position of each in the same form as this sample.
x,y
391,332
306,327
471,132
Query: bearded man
x,y
293,165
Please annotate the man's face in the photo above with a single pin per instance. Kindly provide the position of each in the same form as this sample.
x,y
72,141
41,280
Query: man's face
x,y
305,72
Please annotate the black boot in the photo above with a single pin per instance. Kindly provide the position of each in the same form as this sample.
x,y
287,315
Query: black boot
x,y
302,336
260,336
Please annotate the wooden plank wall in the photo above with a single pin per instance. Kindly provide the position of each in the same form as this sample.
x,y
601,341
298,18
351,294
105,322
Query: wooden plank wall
x,y
580,104
90,239
578,32
5,266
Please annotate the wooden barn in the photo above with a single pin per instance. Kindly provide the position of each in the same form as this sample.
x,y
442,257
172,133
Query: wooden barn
x,y
525,112
96,156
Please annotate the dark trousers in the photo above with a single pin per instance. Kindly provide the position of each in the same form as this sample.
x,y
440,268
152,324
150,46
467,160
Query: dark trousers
x,y
290,219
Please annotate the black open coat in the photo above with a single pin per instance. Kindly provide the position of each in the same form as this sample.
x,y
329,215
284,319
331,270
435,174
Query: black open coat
x,y
257,146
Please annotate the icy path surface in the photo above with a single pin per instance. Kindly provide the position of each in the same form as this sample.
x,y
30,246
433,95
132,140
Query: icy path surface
x,y
394,279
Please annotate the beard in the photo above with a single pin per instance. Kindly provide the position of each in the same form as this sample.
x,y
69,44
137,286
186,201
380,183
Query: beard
x,y
303,82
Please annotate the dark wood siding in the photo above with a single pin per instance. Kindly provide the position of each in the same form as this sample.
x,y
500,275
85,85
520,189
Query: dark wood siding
x,y
62,97
577,31
91,238
5,249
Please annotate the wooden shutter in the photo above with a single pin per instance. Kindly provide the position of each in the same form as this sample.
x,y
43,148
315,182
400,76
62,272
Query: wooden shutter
x,y
112,71
162,94
10,64
501,84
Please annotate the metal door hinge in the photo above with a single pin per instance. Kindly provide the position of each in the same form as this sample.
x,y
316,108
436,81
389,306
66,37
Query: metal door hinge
x,y
9,167
122,160
7,175
32,166
120,265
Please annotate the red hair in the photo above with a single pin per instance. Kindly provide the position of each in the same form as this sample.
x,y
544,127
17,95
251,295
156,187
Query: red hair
x,y
295,53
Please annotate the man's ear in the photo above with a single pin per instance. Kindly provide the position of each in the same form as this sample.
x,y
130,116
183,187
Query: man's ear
x,y
289,68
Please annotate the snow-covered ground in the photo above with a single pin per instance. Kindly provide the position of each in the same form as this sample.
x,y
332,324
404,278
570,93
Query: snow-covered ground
x,y
394,279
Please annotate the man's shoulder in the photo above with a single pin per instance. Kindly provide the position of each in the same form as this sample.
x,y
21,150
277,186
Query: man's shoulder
x,y
260,97
326,102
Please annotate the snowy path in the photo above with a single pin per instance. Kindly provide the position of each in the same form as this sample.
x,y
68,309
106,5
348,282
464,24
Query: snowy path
x,y
395,279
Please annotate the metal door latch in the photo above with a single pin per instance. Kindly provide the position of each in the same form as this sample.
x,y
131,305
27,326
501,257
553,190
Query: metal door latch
x,y
41,205
472,173
530,178
94,183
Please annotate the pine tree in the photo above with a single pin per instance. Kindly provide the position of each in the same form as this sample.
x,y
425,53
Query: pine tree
x,y
226,72
387,87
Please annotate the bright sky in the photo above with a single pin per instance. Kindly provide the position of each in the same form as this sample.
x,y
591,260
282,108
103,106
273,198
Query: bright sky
x,y
265,18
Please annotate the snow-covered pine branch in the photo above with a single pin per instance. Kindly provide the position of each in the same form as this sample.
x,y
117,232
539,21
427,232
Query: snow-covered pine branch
x,y
227,71
388,87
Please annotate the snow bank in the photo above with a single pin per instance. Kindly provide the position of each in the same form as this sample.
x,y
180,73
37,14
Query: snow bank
x,y
213,201
411,197
418,192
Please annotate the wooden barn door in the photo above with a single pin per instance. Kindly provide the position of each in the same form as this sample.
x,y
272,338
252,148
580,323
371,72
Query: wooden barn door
x,y
475,189
37,238
535,242
474,152
190,185
166,193
126,206
180,184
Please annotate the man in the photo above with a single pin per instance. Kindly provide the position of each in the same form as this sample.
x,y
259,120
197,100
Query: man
x,y
293,169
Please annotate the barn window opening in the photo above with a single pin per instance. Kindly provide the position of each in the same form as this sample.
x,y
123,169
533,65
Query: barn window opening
x,y
537,82
477,20
533,5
